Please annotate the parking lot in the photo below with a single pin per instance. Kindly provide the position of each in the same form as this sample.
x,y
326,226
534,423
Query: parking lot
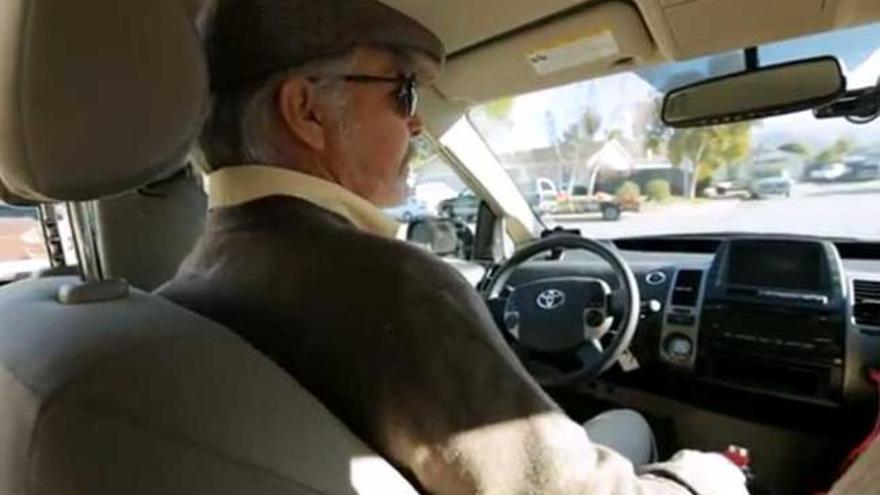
x,y
841,210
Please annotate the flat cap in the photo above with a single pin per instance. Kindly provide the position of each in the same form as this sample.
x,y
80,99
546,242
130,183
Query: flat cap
x,y
248,40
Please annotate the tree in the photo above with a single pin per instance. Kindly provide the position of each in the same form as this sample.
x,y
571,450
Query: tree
x,y
494,119
656,133
702,150
835,152
499,109
422,152
577,144
615,134
797,148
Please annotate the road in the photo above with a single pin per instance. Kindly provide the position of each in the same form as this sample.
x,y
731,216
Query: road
x,y
841,210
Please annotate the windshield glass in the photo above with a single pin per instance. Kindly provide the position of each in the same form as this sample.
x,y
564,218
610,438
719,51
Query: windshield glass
x,y
22,249
594,155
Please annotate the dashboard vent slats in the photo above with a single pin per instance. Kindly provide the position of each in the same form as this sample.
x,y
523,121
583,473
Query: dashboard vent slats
x,y
867,302
686,290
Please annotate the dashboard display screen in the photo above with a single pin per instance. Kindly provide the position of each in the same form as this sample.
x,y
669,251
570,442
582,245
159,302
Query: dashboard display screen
x,y
778,264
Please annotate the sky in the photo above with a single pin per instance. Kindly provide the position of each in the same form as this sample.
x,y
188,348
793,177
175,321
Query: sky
x,y
536,117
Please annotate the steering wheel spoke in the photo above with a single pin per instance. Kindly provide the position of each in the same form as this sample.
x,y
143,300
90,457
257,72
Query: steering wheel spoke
x,y
610,335
591,353
597,324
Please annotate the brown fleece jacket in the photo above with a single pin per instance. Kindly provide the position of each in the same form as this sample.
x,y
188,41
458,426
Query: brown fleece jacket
x,y
401,348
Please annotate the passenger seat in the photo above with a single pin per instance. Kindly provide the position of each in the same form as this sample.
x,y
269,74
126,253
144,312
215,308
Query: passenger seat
x,y
105,388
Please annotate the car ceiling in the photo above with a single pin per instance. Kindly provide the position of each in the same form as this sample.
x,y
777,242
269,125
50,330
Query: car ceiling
x,y
496,36
462,24
490,40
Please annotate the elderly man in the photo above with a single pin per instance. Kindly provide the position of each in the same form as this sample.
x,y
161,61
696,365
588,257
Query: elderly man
x,y
315,105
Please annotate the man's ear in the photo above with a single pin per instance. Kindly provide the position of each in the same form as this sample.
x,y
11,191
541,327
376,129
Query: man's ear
x,y
298,106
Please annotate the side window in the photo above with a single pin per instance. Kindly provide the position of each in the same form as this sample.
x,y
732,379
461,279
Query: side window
x,y
436,192
22,249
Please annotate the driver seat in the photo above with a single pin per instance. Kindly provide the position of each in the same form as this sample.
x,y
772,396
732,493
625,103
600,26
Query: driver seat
x,y
107,389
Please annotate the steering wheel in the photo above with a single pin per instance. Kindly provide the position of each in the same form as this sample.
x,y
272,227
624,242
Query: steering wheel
x,y
566,329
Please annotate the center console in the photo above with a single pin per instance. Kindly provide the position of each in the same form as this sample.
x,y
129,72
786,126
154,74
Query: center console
x,y
768,316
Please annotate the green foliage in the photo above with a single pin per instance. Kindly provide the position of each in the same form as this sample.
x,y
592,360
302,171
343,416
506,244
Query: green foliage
x,y
659,190
615,134
423,151
577,144
499,109
581,133
835,152
628,191
796,148
705,149
843,145
657,134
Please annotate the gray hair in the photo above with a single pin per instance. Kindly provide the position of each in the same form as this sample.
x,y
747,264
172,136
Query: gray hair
x,y
240,126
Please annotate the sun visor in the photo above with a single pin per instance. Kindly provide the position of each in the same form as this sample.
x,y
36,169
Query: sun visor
x,y
686,29
438,113
712,26
98,96
602,39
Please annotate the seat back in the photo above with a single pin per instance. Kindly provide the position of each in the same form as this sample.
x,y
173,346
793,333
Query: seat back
x,y
103,388
140,396
145,234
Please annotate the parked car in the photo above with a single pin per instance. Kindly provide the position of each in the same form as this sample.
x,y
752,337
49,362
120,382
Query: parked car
x,y
541,194
410,210
860,169
464,206
434,192
727,188
826,172
578,200
768,183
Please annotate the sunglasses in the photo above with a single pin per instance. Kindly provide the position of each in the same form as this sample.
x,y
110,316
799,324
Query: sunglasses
x,y
406,96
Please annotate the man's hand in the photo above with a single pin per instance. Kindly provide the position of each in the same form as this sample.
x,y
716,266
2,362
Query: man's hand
x,y
704,474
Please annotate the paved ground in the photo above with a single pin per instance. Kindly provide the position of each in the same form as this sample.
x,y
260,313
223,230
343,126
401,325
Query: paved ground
x,y
844,210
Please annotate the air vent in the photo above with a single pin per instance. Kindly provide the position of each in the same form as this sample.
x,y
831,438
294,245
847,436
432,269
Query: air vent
x,y
867,302
686,291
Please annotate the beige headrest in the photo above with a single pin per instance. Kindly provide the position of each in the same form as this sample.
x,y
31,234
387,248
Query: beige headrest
x,y
96,96
10,199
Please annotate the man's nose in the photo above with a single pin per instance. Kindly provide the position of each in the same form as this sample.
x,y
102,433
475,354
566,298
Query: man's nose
x,y
416,126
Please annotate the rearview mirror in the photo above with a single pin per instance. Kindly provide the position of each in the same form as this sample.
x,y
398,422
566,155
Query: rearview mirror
x,y
772,90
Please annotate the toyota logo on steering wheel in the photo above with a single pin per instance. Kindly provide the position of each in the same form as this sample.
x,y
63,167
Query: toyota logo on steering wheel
x,y
550,299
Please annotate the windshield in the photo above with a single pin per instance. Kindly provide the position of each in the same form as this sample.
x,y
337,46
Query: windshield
x,y
22,249
594,155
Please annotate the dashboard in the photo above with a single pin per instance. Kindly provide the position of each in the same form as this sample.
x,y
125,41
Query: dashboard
x,y
793,318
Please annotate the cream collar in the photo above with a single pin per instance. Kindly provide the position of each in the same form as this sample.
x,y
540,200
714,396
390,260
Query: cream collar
x,y
232,186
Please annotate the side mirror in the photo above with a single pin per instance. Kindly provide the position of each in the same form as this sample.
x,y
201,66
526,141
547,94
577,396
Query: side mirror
x,y
441,236
772,90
